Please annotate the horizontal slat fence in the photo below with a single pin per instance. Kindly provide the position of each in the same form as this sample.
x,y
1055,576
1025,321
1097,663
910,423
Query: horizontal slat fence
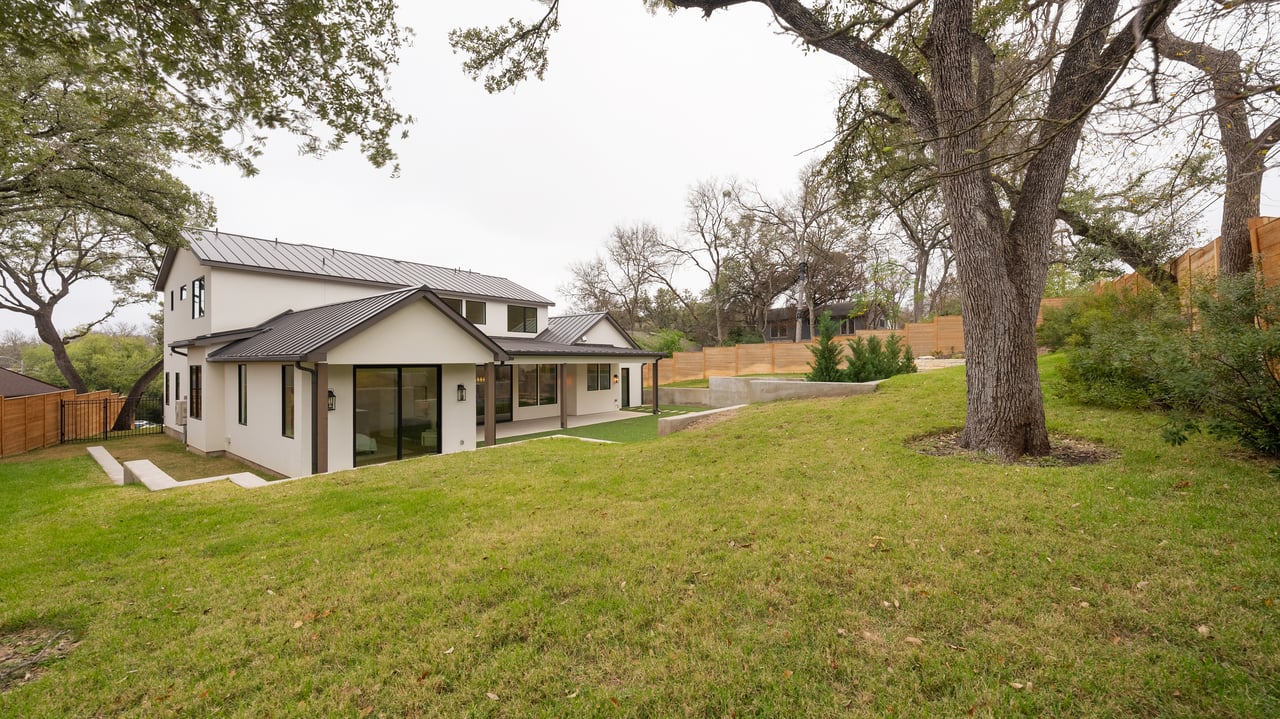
x,y
35,421
945,335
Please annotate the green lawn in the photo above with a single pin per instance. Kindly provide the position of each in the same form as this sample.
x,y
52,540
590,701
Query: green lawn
x,y
643,427
706,383
795,560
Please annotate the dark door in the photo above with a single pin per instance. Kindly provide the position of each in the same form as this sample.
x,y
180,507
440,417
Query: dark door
x,y
626,386
502,393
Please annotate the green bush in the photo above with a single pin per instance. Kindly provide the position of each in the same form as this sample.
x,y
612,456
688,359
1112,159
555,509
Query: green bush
x,y
1234,391
871,359
826,354
1124,349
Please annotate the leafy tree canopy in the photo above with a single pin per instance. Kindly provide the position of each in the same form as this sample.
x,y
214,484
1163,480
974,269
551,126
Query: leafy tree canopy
x,y
226,70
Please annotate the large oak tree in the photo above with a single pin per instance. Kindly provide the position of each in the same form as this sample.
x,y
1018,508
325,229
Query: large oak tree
x,y
955,68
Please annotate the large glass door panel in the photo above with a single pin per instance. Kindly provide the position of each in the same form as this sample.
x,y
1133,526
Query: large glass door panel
x,y
376,417
420,411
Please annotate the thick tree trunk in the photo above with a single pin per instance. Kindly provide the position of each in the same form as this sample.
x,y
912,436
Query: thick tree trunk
x,y
921,282
50,336
130,409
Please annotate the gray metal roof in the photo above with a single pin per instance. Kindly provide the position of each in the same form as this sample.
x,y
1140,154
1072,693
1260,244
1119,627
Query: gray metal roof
x,y
571,329
308,334
223,249
519,346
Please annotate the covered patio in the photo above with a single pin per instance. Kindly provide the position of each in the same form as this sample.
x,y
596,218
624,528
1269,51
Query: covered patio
x,y
519,428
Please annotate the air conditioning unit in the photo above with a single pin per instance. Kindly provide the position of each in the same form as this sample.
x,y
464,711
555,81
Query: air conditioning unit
x,y
180,412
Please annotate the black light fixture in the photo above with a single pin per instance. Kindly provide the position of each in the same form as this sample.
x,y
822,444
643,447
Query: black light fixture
x,y
615,378
333,401
462,393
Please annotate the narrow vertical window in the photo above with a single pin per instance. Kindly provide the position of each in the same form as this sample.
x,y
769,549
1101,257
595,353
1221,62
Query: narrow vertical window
x,y
242,387
197,298
286,401
166,389
194,387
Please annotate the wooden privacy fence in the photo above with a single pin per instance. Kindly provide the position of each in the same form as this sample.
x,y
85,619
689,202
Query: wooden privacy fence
x,y
36,421
945,335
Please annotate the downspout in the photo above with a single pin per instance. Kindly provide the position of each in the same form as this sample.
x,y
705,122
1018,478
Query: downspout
x,y
314,410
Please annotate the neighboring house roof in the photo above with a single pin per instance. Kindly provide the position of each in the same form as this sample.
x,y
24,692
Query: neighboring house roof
x,y
13,384
308,335
223,249
838,310
517,347
571,329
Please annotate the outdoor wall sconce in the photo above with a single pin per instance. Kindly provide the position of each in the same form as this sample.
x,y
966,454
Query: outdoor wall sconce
x,y
615,379
333,401
462,393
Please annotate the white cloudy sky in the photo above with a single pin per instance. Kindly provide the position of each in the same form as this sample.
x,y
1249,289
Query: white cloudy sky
x,y
634,109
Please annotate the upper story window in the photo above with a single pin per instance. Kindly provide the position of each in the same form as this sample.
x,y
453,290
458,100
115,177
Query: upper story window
x,y
477,311
522,319
454,304
182,293
197,298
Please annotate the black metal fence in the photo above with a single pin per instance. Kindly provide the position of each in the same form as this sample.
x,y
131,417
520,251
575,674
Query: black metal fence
x,y
86,420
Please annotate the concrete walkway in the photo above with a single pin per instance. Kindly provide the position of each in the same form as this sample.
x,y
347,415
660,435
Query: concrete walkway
x,y
146,473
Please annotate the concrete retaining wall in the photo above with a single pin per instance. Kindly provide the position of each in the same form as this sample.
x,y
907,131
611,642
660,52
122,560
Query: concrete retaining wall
x,y
667,425
730,391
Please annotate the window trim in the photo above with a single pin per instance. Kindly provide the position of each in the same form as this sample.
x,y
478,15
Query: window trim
x,y
287,395
195,389
484,312
197,298
528,321
242,394
542,373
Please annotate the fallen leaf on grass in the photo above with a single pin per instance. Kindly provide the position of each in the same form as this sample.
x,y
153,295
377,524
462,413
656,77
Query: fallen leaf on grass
x,y
786,674
916,641
572,695
1016,685
449,650
297,624
491,695
1204,630
366,711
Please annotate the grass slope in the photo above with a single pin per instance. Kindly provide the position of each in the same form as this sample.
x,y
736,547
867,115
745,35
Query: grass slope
x,y
793,561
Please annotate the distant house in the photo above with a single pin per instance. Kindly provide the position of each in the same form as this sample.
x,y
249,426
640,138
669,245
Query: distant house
x,y
13,384
780,323
304,359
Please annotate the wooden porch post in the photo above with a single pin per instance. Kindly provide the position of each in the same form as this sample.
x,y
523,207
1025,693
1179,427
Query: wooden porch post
x,y
655,385
564,403
490,405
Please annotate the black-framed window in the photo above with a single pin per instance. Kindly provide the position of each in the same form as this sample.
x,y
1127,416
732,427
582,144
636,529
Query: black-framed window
x,y
477,312
597,377
177,385
197,298
395,412
171,302
166,389
522,319
454,303
286,401
194,386
242,394
537,384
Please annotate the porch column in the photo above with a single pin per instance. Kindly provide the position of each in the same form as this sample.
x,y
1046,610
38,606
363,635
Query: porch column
x,y
490,405
320,407
655,386
564,403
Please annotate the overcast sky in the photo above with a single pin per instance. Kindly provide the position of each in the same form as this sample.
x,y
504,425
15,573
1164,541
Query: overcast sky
x,y
634,109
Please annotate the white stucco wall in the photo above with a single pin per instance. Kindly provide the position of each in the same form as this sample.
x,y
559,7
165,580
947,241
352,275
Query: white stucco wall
x,y
417,334
261,440
496,320
457,419
604,333
244,299
178,323
637,382
341,419
584,401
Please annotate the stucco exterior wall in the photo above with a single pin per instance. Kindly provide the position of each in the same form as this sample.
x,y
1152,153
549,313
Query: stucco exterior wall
x,y
417,334
237,299
178,323
585,401
457,419
261,439
604,333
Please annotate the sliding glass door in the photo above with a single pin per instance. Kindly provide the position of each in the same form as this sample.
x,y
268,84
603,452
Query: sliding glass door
x,y
397,413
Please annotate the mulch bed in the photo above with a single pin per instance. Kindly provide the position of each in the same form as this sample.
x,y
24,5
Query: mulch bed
x,y
1064,451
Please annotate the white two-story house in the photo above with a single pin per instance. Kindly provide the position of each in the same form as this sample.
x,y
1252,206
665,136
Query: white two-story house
x,y
304,359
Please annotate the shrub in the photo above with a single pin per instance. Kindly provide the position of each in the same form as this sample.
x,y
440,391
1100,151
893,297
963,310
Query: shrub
x,y
871,359
1124,349
826,354
1234,391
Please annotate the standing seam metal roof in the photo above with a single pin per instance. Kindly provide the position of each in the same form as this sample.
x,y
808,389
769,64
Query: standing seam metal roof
x,y
569,329
252,253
